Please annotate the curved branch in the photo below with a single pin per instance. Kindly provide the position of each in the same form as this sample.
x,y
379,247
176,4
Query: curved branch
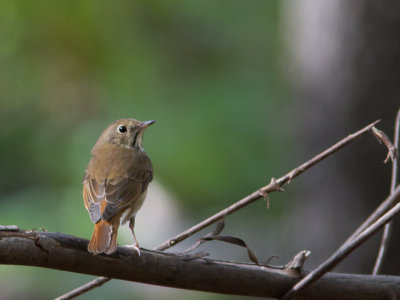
x,y
68,253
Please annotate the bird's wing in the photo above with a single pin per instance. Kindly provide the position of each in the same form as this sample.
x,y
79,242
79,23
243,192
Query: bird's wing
x,y
93,194
121,192
107,198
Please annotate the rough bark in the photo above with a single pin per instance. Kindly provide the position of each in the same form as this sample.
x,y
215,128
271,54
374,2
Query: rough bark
x,y
68,253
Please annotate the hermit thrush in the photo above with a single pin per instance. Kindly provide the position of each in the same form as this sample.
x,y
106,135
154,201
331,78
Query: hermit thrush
x,y
115,182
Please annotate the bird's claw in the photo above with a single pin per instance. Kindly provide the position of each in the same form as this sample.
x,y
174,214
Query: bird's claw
x,y
135,247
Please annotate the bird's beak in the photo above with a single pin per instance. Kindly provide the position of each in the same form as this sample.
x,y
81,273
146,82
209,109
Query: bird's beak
x,y
146,124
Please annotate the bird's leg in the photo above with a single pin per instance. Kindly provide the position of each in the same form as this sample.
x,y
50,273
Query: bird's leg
x,y
136,244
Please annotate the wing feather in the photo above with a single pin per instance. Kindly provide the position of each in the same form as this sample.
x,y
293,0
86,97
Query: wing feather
x,y
92,199
116,194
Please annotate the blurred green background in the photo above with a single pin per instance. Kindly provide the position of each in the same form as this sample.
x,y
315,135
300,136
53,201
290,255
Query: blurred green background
x,y
242,91
208,72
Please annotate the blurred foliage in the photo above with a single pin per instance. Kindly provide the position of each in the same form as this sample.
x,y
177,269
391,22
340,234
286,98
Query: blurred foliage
x,y
207,71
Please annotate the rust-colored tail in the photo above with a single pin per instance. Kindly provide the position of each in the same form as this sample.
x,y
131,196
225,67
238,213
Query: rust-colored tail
x,y
104,238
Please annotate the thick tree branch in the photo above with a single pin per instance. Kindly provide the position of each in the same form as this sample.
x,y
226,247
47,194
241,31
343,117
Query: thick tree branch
x,y
68,253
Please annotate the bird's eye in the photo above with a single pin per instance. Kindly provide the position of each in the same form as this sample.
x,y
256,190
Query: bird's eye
x,y
122,129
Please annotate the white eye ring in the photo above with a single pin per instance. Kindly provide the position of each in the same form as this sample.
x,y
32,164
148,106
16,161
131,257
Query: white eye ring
x,y
122,129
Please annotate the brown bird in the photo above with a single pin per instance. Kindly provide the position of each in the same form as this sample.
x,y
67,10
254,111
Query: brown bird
x,y
115,182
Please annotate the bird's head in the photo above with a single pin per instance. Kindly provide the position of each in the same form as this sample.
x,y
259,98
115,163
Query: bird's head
x,y
126,133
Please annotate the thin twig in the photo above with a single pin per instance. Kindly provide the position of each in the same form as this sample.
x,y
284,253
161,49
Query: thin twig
x,y
274,185
84,288
387,231
379,211
343,252
387,204
388,227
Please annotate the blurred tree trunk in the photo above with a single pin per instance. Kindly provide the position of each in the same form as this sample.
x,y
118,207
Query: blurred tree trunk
x,y
344,63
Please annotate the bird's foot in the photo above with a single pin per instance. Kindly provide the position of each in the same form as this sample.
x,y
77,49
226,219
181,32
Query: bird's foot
x,y
135,247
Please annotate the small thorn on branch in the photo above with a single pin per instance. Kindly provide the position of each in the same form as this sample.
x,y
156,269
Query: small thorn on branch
x,y
384,140
297,263
266,197
292,175
276,186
